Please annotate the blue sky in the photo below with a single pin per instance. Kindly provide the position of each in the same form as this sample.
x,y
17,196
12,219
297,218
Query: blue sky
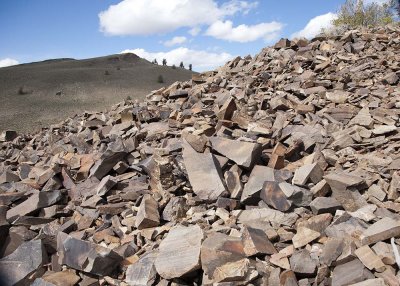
x,y
205,33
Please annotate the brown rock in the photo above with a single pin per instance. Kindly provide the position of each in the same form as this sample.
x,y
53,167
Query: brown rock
x,y
204,174
350,273
143,271
179,252
304,236
381,230
244,154
148,215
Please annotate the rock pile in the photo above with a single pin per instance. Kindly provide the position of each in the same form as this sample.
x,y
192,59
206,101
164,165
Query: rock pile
x,y
282,169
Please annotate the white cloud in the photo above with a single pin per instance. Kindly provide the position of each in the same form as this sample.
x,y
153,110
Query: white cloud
x,y
380,2
145,17
315,25
224,30
195,31
8,62
201,60
175,41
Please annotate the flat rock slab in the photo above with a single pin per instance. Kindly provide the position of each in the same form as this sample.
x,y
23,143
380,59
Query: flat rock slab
x,y
142,272
218,250
148,215
244,154
304,236
258,176
381,230
86,256
349,273
179,252
204,174
273,196
35,202
16,268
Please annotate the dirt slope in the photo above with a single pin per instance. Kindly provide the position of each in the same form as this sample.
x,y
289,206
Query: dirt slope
x,y
56,89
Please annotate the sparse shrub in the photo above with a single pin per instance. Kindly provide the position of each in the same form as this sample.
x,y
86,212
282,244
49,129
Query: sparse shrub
x,y
118,68
160,79
155,62
164,62
128,98
190,67
356,13
181,65
106,72
23,90
173,66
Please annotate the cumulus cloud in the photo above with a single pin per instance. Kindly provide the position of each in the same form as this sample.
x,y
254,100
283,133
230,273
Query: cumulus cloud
x,y
315,25
175,41
380,2
224,30
145,17
8,62
201,60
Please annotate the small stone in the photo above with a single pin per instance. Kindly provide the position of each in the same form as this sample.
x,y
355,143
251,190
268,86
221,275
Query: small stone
x,y
302,263
371,282
383,129
232,271
273,196
148,215
310,172
322,205
304,236
256,242
259,175
8,135
332,250
105,185
179,252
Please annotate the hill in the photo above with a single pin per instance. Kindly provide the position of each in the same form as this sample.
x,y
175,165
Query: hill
x,y
37,94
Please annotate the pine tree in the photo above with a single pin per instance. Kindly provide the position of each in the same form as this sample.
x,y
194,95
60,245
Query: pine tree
x,y
181,65
164,62
190,67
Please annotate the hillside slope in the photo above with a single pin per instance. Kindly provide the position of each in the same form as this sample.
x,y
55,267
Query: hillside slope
x,y
55,89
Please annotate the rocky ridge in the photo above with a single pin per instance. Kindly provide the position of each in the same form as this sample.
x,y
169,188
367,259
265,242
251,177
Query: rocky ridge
x,y
282,169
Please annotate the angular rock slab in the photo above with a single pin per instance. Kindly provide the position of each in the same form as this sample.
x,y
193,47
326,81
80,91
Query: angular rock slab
x,y
204,174
349,273
86,256
16,268
143,271
258,176
35,202
273,196
179,252
218,250
381,230
148,215
244,154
